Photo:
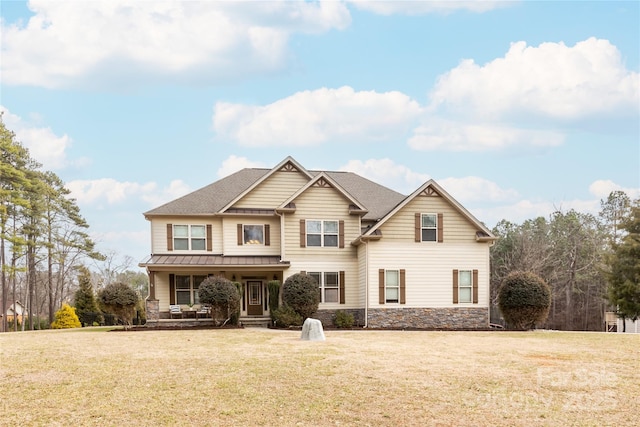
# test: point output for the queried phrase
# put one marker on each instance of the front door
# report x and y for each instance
(254, 298)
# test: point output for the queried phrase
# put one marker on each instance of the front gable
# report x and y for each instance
(273, 188)
(450, 221)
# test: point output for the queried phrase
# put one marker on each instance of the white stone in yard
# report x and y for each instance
(312, 330)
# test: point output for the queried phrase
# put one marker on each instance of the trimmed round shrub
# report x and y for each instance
(66, 318)
(119, 299)
(301, 293)
(524, 300)
(222, 295)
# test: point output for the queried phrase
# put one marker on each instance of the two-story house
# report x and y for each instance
(394, 261)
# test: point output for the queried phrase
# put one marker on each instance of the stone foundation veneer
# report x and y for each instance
(153, 310)
(429, 318)
(327, 316)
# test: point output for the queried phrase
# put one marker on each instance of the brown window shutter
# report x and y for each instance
(341, 287)
(267, 235)
(341, 234)
(240, 240)
(169, 237)
(455, 286)
(418, 227)
(209, 238)
(172, 289)
(381, 297)
(475, 286)
(403, 293)
(440, 228)
(303, 233)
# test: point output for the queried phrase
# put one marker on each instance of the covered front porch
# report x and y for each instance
(174, 281)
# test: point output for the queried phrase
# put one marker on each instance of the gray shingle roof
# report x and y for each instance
(377, 199)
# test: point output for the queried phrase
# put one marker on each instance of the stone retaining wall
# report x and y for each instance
(429, 318)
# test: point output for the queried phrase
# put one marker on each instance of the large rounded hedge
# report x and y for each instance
(524, 300)
(300, 292)
(222, 296)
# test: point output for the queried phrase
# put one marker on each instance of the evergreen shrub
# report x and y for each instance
(300, 292)
(343, 319)
(524, 300)
(285, 316)
(66, 318)
(223, 296)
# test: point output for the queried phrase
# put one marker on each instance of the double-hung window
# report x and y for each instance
(429, 227)
(392, 286)
(322, 233)
(187, 289)
(328, 284)
(465, 286)
(253, 234)
(187, 237)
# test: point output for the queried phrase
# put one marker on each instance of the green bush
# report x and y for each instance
(286, 316)
(66, 318)
(524, 300)
(300, 292)
(222, 296)
(120, 300)
(274, 296)
(343, 319)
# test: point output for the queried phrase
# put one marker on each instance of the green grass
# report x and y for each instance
(267, 377)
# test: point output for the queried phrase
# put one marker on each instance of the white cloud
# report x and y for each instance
(108, 191)
(314, 117)
(602, 188)
(475, 189)
(439, 134)
(388, 173)
(424, 7)
(234, 164)
(552, 80)
(43, 144)
(71, 43)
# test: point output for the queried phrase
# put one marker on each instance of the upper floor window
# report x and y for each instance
(328, 284)
(186, 237)
(253, 234)
(322, 233)
(429, 227)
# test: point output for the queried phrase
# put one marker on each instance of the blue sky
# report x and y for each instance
(516, 108)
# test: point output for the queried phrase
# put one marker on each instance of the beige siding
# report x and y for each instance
(230, 236)
(401, 227)
(273, 191)
(159, 233)
(429, 270)
(321, 204)
(350, 267)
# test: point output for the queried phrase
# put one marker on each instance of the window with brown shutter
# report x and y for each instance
(475, 286)
(169, 237)
(403, 289)
(455, 286)
(267, 235)
(172, 289)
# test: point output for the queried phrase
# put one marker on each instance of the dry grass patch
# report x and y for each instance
(270, 377)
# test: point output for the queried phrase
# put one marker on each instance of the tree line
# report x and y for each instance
(576, 254)
(44, 240)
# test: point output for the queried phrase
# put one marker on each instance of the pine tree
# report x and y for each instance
(624, 273)
(85, 300)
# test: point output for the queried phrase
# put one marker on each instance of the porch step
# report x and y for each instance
(256, 321)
